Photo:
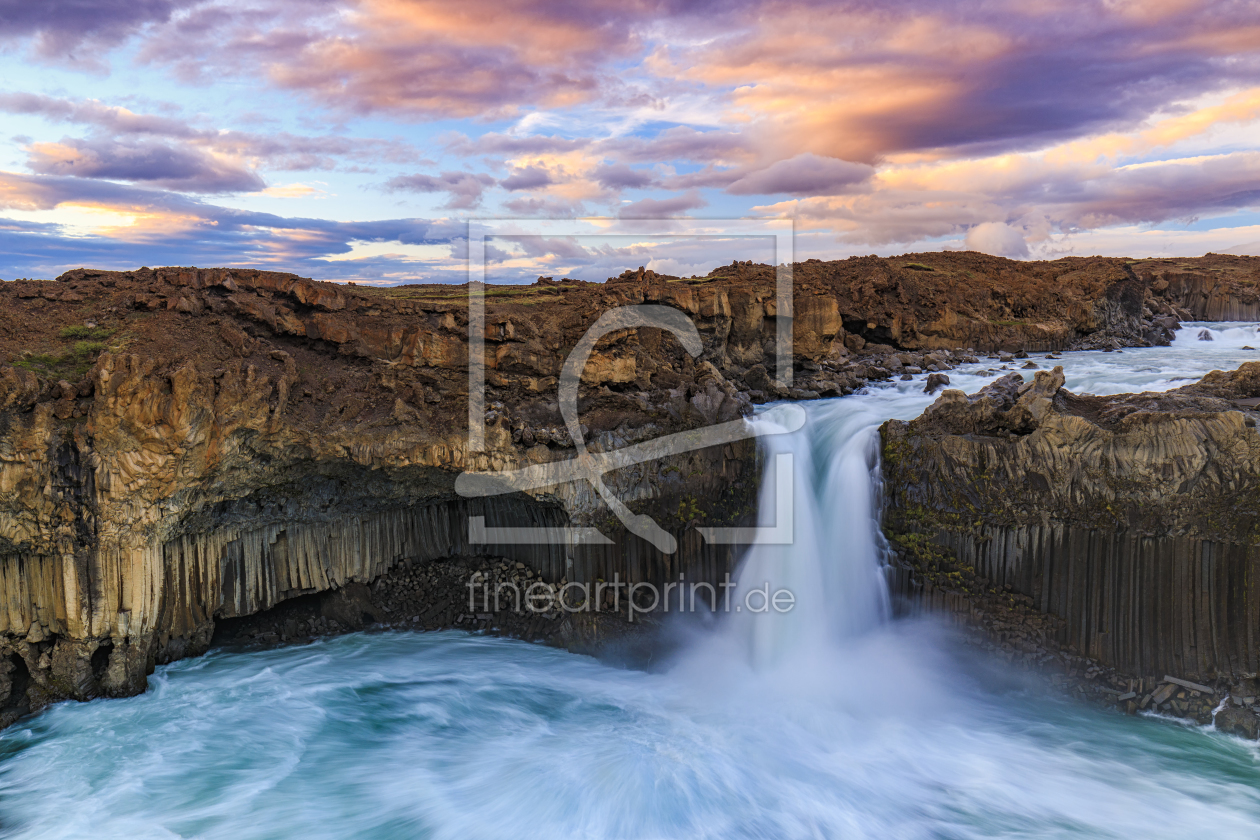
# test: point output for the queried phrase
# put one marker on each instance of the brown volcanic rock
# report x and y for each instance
(1133, 519)
(1158, 463)
(1215, 287)
(180, 446)
(965, 299)
(216, 442)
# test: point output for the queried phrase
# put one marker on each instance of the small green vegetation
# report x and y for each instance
(72, 363)
(89, 333)
(74, 360)
(87, 348)
(918, 267)
(689, 509)
(693, 280)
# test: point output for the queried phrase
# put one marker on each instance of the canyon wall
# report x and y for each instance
(1216, 288)
(181, 446)
(231, 439)
(1132, 521)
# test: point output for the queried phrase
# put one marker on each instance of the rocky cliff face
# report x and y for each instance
(951, 300)
(1130, 524)
(181, 448)
(1214, 288)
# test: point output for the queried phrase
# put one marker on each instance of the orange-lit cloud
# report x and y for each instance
(861, 82)
(296, 190)
(471, 59)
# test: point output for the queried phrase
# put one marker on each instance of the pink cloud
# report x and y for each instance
(170, 166)
(663, 208)
(275, 150)
(804, 174)
(527, 178)
(858, 82)
(76, 32)
(997, 238)
(417, 57)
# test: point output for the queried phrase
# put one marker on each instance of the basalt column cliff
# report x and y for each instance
(183, 446)
(1130, 525)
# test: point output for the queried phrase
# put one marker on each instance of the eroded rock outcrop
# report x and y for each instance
(952, 300)
(1130, 525)
(1217, 287)
(183, 447)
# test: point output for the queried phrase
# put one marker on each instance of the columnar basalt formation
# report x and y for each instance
(1131, 522)
(180, 446)
(1217, 287)
(184, 446)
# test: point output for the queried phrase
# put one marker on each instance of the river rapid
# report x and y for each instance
(828, 721)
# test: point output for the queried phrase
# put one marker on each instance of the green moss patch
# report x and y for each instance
(86, 333)
(72, 362)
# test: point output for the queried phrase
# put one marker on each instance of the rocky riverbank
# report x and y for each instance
(1110, 539)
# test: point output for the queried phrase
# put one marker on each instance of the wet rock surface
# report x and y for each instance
(1238, 721)
(436, 595)
(995, 618)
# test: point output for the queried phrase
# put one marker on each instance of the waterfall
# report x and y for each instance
(1224, 336)
(834, 564)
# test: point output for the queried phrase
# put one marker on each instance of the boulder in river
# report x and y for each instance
(1235, 720)
(935, 382)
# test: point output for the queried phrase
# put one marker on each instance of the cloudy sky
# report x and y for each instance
(354, 140)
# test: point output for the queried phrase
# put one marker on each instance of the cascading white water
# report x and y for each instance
(1222, 337)
(827, 722)
(832, 566)
(835, 562)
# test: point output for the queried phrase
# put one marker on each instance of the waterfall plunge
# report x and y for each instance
(834, 565)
